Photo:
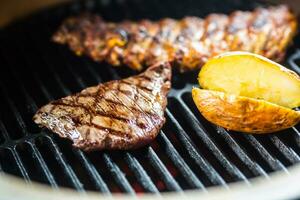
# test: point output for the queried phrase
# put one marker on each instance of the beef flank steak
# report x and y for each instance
(120, 114)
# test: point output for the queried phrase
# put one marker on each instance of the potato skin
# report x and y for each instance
(243, 114)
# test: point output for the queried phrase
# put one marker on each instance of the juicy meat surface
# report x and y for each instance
(120, 114)
(188, 42)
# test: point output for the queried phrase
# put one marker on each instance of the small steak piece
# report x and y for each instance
(120, 114)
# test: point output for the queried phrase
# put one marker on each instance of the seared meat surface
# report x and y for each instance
(120, 114)
(188, 42)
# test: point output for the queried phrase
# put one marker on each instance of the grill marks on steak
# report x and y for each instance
(120, 114)
(189, 42)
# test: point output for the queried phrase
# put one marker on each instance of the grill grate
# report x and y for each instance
(189, 152)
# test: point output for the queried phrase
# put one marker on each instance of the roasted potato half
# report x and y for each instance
(243, 114)
(248, 93)
(251, 75)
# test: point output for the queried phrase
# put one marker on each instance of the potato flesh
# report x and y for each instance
(245, 74)
(242, 113)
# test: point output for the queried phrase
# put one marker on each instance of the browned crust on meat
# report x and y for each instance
(120, 114)
(189, 42)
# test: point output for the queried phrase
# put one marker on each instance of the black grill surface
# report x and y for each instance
(189, 152)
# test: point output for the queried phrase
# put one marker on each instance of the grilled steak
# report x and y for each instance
(120, 114)
(188, 42)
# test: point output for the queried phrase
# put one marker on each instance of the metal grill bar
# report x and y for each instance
(298, 134)
(163, 171)
(140, 173)
(254, 167)
(9, 158)
(201, 132)
(4, 131)
(23, 127)
(99, 182)
(117, 174)
(20, 165)
(13, 108)
(274, 163)
(289, 153)
(292, 61)
(93, 72)
(213, 175)
(28, 99)
(180, 163)
(66, 90)
(1, 170)
(78, 79)
(44, 166)
(67, 168)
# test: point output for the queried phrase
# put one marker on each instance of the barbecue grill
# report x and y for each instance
(190, 157)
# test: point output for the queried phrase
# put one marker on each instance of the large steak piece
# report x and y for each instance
(188, 42)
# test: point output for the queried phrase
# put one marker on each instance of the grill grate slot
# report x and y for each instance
(44, 167)
(256, 169)
(34, 168)
(57, 163)
(177, 173)
(297, 138)
(293, 61)
(161, 169)
(140, 173)
(260, 149)
(287, 152)
(23, 110)
(99, 182)
(12, 118)
(3, 133)
(193, 152)
(292, 144)
(10, 163)
(20, 165)
(81, 166)
(198, 129)
(118, 175)
(189, 152)
(180, 163)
